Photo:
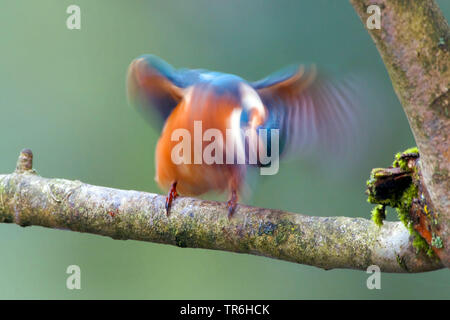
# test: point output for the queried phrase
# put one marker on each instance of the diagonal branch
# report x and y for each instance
(414, 44)
(326, 242)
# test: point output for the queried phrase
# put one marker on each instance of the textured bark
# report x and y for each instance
(414, 44)
(326, 242)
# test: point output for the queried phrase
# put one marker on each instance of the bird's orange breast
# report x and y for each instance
(211, 112)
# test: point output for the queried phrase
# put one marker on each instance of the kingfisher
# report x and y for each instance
(302, 108)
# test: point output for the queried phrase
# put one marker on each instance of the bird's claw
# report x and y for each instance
(170, 197)
(231, 204)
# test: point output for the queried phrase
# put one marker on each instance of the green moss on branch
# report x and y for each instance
(397, 187)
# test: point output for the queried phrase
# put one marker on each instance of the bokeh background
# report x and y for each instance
(62, 94)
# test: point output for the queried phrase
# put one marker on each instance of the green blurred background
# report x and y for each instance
(62, 94)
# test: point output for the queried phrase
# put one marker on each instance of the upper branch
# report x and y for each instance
(326, 242)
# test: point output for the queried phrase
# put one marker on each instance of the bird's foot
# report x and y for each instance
(231, 204)
(171, 196)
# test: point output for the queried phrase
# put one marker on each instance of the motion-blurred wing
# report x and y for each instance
(153, 85)
(309, 110)
(276, 78)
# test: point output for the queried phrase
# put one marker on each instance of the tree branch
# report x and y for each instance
(414, 44)
(326, 242)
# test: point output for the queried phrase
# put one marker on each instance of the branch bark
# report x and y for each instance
(414, 44)
(326, 242)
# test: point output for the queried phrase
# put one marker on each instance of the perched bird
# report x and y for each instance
(303, 109)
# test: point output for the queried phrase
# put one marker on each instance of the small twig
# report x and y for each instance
(25, 161)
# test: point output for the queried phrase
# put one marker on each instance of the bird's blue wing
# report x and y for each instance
(156, 88)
